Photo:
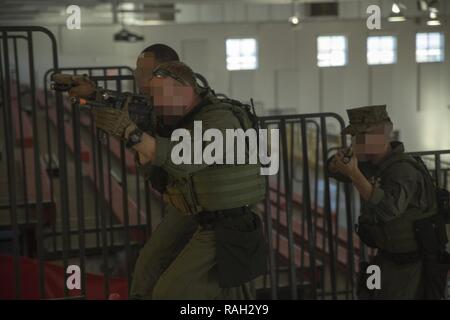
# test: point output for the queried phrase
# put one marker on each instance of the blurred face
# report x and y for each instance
(371, 142)
(143, 73)
(172, 99)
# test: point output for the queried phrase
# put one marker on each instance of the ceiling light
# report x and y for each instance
(395, 8)
(126, 36)
(433, 19)
(433, 23)
(397, 14)
(396, 19)
(294, 20)
(127, 6)
(145, 22)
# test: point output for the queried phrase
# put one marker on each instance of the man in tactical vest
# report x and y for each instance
(399, 213)
(227, 250)
(155, 262)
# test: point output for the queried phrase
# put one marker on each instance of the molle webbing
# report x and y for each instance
(397, 235)
(218, 186)
(228, 186)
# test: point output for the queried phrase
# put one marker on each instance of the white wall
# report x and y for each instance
(288, 77)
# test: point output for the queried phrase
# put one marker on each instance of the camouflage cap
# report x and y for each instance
(364, 117)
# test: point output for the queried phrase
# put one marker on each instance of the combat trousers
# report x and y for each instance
(166, 242)
(398, 281)
(194, 274)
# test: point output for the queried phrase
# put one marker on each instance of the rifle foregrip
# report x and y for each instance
(60, 87)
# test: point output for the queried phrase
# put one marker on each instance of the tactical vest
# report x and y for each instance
(398, 235)
(221, 186)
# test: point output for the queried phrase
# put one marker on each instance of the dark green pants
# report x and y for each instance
(194, 275)
(398, 281)
(179, 262)
(166, 242)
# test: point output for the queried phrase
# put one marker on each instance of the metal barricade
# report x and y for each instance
(304, 229)
(71, 173)
(11, 106)
(84, 205)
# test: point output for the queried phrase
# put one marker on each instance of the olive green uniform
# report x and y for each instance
(166, 242)
(400, 192)
(162, 271)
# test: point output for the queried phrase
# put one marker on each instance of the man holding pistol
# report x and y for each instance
(397, 198)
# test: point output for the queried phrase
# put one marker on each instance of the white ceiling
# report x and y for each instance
(52, 12)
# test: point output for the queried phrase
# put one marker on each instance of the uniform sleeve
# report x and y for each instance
(216, 119)
(341, 177)
(392, 197)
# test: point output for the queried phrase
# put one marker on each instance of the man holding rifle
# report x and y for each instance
(227, 249)
(399, 209)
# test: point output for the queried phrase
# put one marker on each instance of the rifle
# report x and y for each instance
(140, 107)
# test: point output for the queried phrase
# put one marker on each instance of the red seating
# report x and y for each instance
(40, 99)
(302, 236)
(26, 125)
(297, 200)
(49, 211)
(54, 281)
(69, 136)
(117, 203)
(114, 147)
(85, 121)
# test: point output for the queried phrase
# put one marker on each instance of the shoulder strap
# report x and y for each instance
(394, 160)
(416, 162)
(238, 107)
(207, 102)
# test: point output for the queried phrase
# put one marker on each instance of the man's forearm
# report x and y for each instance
(146, 148)
(364, 187)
